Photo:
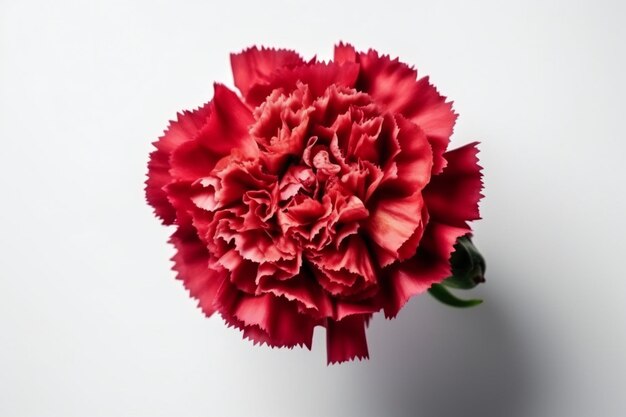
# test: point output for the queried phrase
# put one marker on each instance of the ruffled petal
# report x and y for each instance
(191, 262)
(345, 339)
(278, 319)
(415, 159)
(225, 131)
(228, 127)
(347, 272)
(257, 246)
(159, 177)
(344, 52)
(254, 65)
(346, 308)
(242, 271)
(192, 161)
(395, 86)
(180, 131)
(352, 256)
(318, 77)
(393, 222)
(408, 248)
(430, 265)
(452, 197)
(304, 290)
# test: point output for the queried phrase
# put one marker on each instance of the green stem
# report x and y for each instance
(442, 294)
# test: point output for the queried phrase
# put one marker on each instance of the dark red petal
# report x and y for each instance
(302, 213)
(344, 52)
(253, 310)
(242, 271)
(430, 265)
(408, 248)
(234, 180)
(317, 76)
(364, 139)
(253, 333)
(191, 262)
(182, 130)
(290, 327)
(345, 339)
(395, 85)
(352, 256)
(257, 246)
(254, 65)
(452, 197)
(228, 126)
(305, 290)
(346, 308)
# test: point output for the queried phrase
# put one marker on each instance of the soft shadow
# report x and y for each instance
(437, 361)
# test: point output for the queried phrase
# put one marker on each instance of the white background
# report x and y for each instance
(92, 321)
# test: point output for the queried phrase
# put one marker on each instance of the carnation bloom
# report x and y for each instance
(319, 195)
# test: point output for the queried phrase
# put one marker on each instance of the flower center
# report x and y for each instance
(323, 165)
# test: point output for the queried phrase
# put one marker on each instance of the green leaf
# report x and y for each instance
(468, 265)
(442, 294)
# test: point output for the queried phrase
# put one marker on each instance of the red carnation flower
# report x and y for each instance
(319, 196)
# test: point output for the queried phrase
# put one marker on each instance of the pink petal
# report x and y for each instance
(296, 178)
(394, 220)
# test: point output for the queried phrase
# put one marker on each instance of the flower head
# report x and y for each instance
(320, 195)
